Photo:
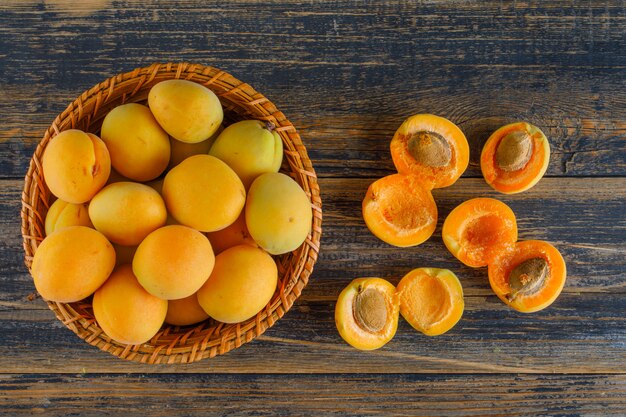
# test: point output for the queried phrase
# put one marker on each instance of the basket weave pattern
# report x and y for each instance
(173, 344)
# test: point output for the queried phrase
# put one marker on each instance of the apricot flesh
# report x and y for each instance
(431, 300)
(185, 311)
(126, 212)
(399, 211)
(366, 313)
(139, 147)
(173, 262)
(76, 165)
(70, 264)
(125, 311)
(62, 214)
(242, 283)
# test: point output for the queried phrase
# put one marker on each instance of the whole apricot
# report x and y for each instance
(250, 148)
(125, 311)
(204, 193)
(278, 213)
(188, 111)
(183, 150)
(233, 235)
(72, 263)
(126, 212)
(241, 284)
(62, 214)
(173, 262)
(185, 311)
(76, 165)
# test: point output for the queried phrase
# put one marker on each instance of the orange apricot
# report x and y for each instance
(185, 311)
(399, 211)
(479, 229)
(233, 235)
(62, 214)
(366, 314)
(529, 277)
(431, 147)
(431, 300)
(515, 157)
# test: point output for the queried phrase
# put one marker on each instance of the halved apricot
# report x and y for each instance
(479, 229)
(431, 300)
(367, 313)
(399, 211)
(515, 157)
(431, 147)
(529, 277)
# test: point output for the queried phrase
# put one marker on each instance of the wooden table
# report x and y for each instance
(347, 74)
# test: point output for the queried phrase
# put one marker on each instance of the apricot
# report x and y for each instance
(233, 235)
(477, 230)
(250, 148)
(399, 211)
(188, 111)
(126, 212)
(173, 262)
(185, 311)
(278, 213)
(242, 283)
(125, 311)
(515, 157)
(139, 147)
(529, 277)
(70, 264)
(366, 314)
(204, 193)
(62, 214)
(431, 147)
(183, 150)
(76, 165)
(431, 300)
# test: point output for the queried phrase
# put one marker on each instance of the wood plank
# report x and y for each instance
(319, 395)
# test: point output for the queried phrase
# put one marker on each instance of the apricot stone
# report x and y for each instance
(76, 165)
(62, 214)
(278, 213)
(241, 284)
(185, 311)
(186, 110)
(72, 263)
(139, 147)
(125, 311)
(173, 262)
(126, 212)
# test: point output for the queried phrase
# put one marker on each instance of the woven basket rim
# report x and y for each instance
(174, 344)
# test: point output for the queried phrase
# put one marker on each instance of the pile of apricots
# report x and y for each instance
(430, 152)
(168, 216)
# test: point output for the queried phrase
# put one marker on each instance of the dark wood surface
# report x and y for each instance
(347, 74)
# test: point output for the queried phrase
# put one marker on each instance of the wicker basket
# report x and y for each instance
(173, 344)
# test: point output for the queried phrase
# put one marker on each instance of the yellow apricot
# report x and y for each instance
(139, 147)
(125, 311)
(204, 193)
(233, 235)
(76, 165)
(72, 263)
(183, 150)
(241, 284)
(250, 148)
(126, 212)
(278, 213)
(186, 110)
(185, 311)
(62, 214)
(173, 262)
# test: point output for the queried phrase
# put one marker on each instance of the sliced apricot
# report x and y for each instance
(479, 229)
(529, 277)
(515, 157)
(431, 147)
(431, 300)
(367, 313)
(399, 211)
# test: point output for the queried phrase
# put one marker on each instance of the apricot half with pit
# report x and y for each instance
(529, 277)
(432, 148)
(431, 300)
(366, 314)
(399, 210)
(515, 157)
